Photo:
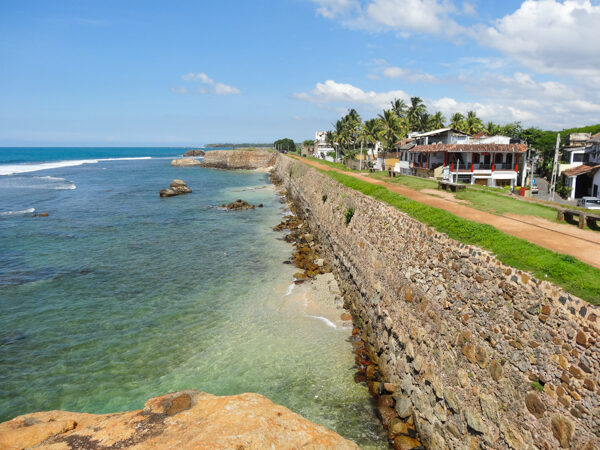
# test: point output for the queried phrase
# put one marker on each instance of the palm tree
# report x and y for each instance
(456, 121)
(473, 124)
(415, 111)
(370, 131)
(492, 129)
(437, 121)
(399, 107)
(392, 128)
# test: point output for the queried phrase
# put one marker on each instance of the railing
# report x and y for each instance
(470, 167)
(504, 166)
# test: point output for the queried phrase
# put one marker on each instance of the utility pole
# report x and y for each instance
(360, 163)
(554, 169)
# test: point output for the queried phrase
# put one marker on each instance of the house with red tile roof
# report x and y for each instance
(453, 155)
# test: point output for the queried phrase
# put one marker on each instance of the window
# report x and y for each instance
(509, 158)
(475, 158)
(498, 158)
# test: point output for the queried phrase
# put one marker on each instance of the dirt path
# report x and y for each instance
(581, 244)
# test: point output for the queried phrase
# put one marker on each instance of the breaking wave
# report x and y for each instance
(25, 182)
(11, 169)
(17, 213)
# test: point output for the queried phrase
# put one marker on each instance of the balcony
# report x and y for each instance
(470, 167)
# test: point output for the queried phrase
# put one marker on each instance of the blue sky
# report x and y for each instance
(193, 72)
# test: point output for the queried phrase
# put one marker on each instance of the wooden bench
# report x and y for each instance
(453, 186)
(583, 217)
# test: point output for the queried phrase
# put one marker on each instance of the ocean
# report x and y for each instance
(119, 295)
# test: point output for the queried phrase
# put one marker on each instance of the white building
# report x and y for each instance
(455, 156)
(583, 173)
(322, 148)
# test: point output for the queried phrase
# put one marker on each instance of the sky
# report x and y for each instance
(191, 72)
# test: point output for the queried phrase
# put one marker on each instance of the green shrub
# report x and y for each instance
(536, 385)
(348, 215)
(324, 198)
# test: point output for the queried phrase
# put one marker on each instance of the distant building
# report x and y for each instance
(321, 147)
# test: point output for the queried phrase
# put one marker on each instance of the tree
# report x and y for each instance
(285, 144)
(513, 129)
(437, 121)
(392, 128)
(456, 121)
(308, 143)
(492, 129)
(399, 107)
(415, 111)
(472, 123)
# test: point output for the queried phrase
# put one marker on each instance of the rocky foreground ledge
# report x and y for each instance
(185, 419)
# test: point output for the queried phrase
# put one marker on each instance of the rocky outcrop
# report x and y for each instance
(476, 353)
(194, 153)
(186, 162)
(185, 419)
(177, 187)
(239, 204)
(239, 159)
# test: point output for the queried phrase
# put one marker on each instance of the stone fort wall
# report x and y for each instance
(480, 354)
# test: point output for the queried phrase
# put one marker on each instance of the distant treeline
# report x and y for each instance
(229, 145)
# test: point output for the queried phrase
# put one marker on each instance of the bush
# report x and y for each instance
(348, 215)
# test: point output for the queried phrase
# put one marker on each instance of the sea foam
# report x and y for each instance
(33, 182)
(10, 169)
(17, 213)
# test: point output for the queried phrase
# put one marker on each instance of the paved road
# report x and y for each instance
(563, 238)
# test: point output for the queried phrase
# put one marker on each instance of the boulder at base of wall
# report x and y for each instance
(239, 204)
(185, 162)
(185, 419)
(177, 187)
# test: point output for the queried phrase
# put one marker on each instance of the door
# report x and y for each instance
(595, 191)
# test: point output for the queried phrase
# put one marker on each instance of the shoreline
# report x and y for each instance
(332, 294)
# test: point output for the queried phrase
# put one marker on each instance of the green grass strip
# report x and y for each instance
(335, 165)
(565, 271)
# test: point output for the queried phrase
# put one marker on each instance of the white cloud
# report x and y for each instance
(212, 87)
(198, 76)
(332, 92)
(224, 89)
(334, 8)
(407, 74)
(428, 16)
(179, 90)
(403, 16)
(550, 36)
(499, 98)
(469, 9)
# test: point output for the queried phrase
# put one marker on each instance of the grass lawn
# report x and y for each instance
(335, 165)
(480, 198)
(416, 183)
(571, 274)
(500, 204)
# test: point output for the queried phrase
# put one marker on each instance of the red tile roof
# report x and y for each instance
(584, 168)
(463, 148)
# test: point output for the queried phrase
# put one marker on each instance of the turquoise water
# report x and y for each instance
(119, 295)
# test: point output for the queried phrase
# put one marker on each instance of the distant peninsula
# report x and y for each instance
(234, 146)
